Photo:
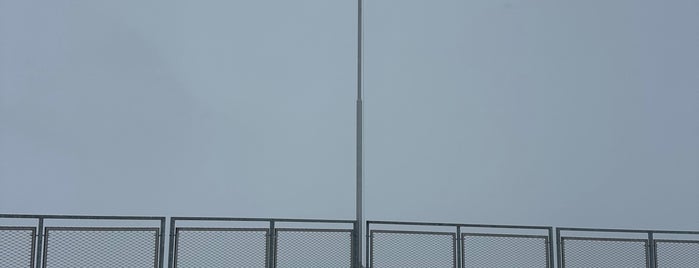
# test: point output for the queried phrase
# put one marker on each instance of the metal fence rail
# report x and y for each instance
(412, 249)
(17, 246)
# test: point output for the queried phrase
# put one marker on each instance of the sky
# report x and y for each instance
(558, 113)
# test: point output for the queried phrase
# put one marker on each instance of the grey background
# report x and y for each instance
(577, 113)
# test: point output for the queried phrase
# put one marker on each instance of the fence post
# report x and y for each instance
(272, 242)
(39, 242)
(550, 245)
(650, 251)
(559, 247)
(171, 250)
(459, 248)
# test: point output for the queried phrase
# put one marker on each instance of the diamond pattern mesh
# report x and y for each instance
(676, 253)
(313, 248)
(100, 247)
(221, 247)
(17, 246)
(412, 249)
(604, 253)
(504, 251)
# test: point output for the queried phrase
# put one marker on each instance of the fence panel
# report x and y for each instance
(412, 249)
(586, 252)
(504, 250)
(221, 247)
(17, 246)
(313, 248)
(89, 247)
(676, 253)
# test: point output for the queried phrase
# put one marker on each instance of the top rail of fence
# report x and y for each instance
(80, 217)
(460, 225)
(260, 219)
(606, 230)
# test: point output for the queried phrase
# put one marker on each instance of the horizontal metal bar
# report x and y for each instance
(602, 239)
(460, 224)
(676, 241)
(103, 229)
(627, 231)
(411, 232)
(17, 228)
(215, 229)
(504, 235)
(310, 230)
(80, 217)
(259, 219)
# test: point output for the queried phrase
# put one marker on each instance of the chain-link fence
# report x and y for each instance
(584, 252)
(17, 246)
(83, 247)
(221, 247)
(412, 249)
(676, 253)
(504, 251)
(259, 242)
(313, 248)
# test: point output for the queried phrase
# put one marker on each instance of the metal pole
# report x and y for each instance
(39, 245)
(171, 249)
(650, 251)
(359, 191)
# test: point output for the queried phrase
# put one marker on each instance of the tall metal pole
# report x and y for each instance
(360, 145)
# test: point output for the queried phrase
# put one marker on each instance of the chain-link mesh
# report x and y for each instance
(221, 247)
(17, 246)
(313, 248)
(604, 253)
(503, 251)
(73, 247)
(412, 249)
(677, 253)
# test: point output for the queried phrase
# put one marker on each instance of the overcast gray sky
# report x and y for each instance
(566, 113)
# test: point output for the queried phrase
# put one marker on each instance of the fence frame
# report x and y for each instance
(458, 232)
(651, 259)
(40, 234)
(271, 240)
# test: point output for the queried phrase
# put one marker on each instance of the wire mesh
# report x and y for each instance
(604, 252)
(17, 246)
(82, 247)
(503, 251)
(676, 253)
(221, 247)
(313, 248)
(412, 249)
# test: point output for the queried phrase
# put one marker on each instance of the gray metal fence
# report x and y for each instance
(614, 248)
(313, 248)
(17, 246)
(73, 247)
(411, 244)
(221, 247)
(260, 242)
(390, 248)
(56, 241)
(505, 250)
(676, 253)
